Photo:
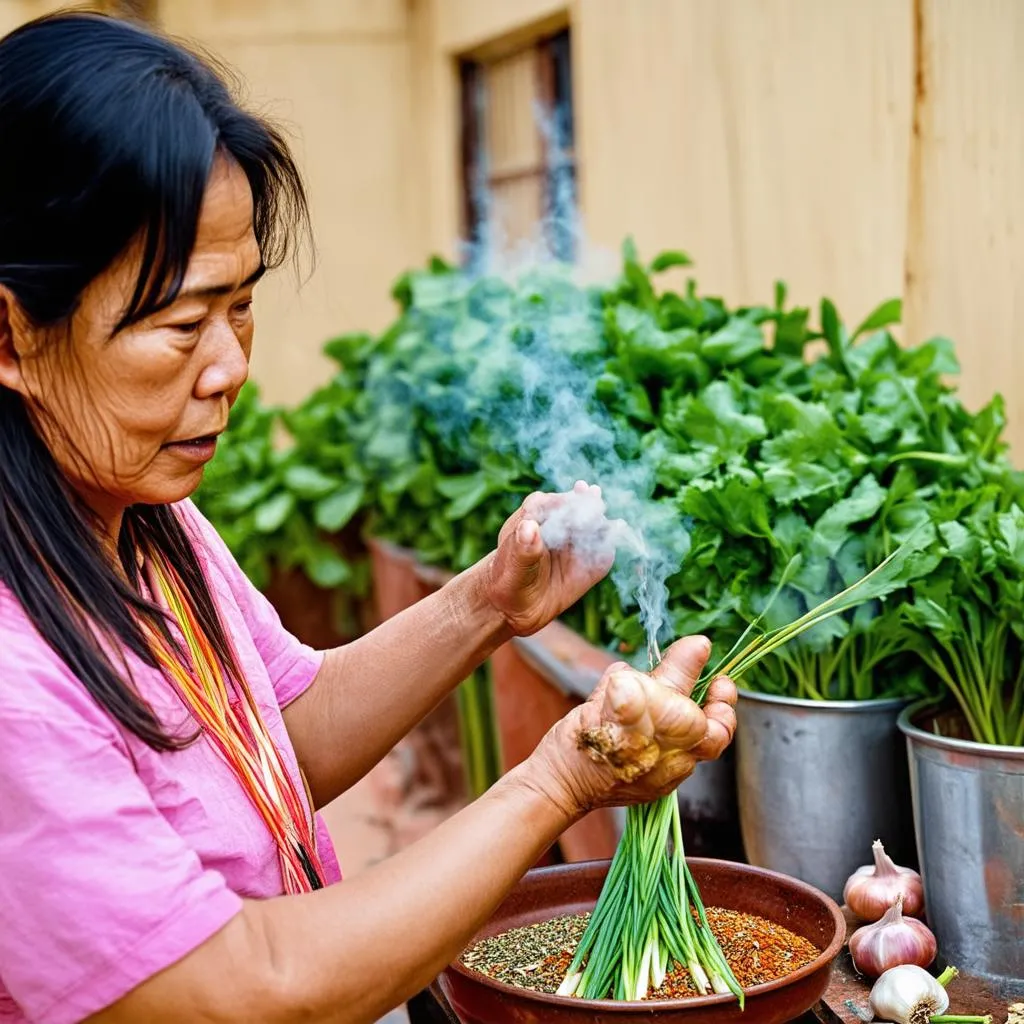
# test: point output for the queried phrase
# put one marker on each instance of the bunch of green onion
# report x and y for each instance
(650, 915)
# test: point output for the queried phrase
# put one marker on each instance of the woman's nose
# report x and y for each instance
(227, 367)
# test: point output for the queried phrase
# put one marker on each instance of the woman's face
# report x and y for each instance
(132, 416)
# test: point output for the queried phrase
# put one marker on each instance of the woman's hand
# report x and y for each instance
(638, 736)
(530, 584)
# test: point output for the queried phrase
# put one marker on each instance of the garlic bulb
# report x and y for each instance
(908, 994)
(892, 941)
(870, 890)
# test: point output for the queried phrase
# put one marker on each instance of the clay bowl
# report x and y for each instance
(572, 888)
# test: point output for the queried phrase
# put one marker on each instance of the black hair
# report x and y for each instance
(110, 132)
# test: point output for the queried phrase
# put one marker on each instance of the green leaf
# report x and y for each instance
(715, 419)
(832, 529)
(325, 567)
(889, 312)
(1010, 526)
(934, 357)
(737, 340)
(335, 511)
(830, 326)
(465, 492)
(270, 516)
(669, 258)
(791, 333)
(309, 482)
(959, 541)
(242, 499)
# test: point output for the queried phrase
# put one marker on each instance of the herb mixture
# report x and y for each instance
(537, 956)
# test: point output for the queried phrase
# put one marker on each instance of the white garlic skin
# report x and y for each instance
(907, 995)
(869, 892)
(892, 941)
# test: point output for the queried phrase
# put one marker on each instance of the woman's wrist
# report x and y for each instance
(541, 785)
(470, 604)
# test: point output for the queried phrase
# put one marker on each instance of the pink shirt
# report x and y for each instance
(117, 860)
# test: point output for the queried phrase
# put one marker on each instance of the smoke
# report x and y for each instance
(531, 356)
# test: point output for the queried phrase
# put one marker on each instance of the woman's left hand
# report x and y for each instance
(530, 584)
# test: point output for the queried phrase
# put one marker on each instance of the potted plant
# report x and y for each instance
(831, 458)
(818, 746)
(757, 453)
(967, 754)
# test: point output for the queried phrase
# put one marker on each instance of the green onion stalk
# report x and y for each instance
(975, 662)
(650, 915)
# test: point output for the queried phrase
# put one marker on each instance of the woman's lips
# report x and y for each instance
(197, 449)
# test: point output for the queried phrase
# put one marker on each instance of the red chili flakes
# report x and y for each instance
(538, 956)
(757, 950)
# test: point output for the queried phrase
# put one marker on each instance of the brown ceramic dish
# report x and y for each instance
(572, 888)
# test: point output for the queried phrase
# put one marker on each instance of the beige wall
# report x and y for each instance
(338, 73)
(965, 258)
(858, 149)
(16, 12)
(706, 125)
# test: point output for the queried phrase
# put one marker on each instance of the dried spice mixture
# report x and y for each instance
(537, 956)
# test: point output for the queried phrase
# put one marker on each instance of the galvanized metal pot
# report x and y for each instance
(969, 813)
(818, 782)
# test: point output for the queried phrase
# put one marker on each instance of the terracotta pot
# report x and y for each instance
(396, 585)
(572, 888)
(318, 617)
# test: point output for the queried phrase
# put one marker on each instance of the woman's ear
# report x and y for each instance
(10, 344)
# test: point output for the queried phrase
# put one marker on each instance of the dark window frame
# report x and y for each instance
(558, 166)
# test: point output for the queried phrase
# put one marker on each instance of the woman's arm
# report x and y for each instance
(353, 951)
(350, 952)
(370, 693)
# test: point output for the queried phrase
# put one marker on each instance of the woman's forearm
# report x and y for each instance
(352, 951)
(371, 692)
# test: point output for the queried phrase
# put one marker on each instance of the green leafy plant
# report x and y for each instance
(769, 436)
(967, 613)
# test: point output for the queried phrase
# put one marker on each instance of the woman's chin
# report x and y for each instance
(165, 491)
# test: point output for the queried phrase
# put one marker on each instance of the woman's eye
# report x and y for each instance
(189, 328)
(244, 307)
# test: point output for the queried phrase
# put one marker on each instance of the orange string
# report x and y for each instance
(237, 731)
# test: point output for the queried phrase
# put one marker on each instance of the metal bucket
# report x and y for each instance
(969, 813)
(818, 782)
(707, 806)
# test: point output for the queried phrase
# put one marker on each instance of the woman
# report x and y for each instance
(159, 858)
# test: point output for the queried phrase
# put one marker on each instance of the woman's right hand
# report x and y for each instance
(638, 736)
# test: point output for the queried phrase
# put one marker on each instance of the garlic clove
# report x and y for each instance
(893, 941)
(871, 889)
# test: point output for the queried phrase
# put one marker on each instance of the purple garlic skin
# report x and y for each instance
(894, 941)
(871, 890)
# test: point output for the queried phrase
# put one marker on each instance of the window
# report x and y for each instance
(518, 157)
